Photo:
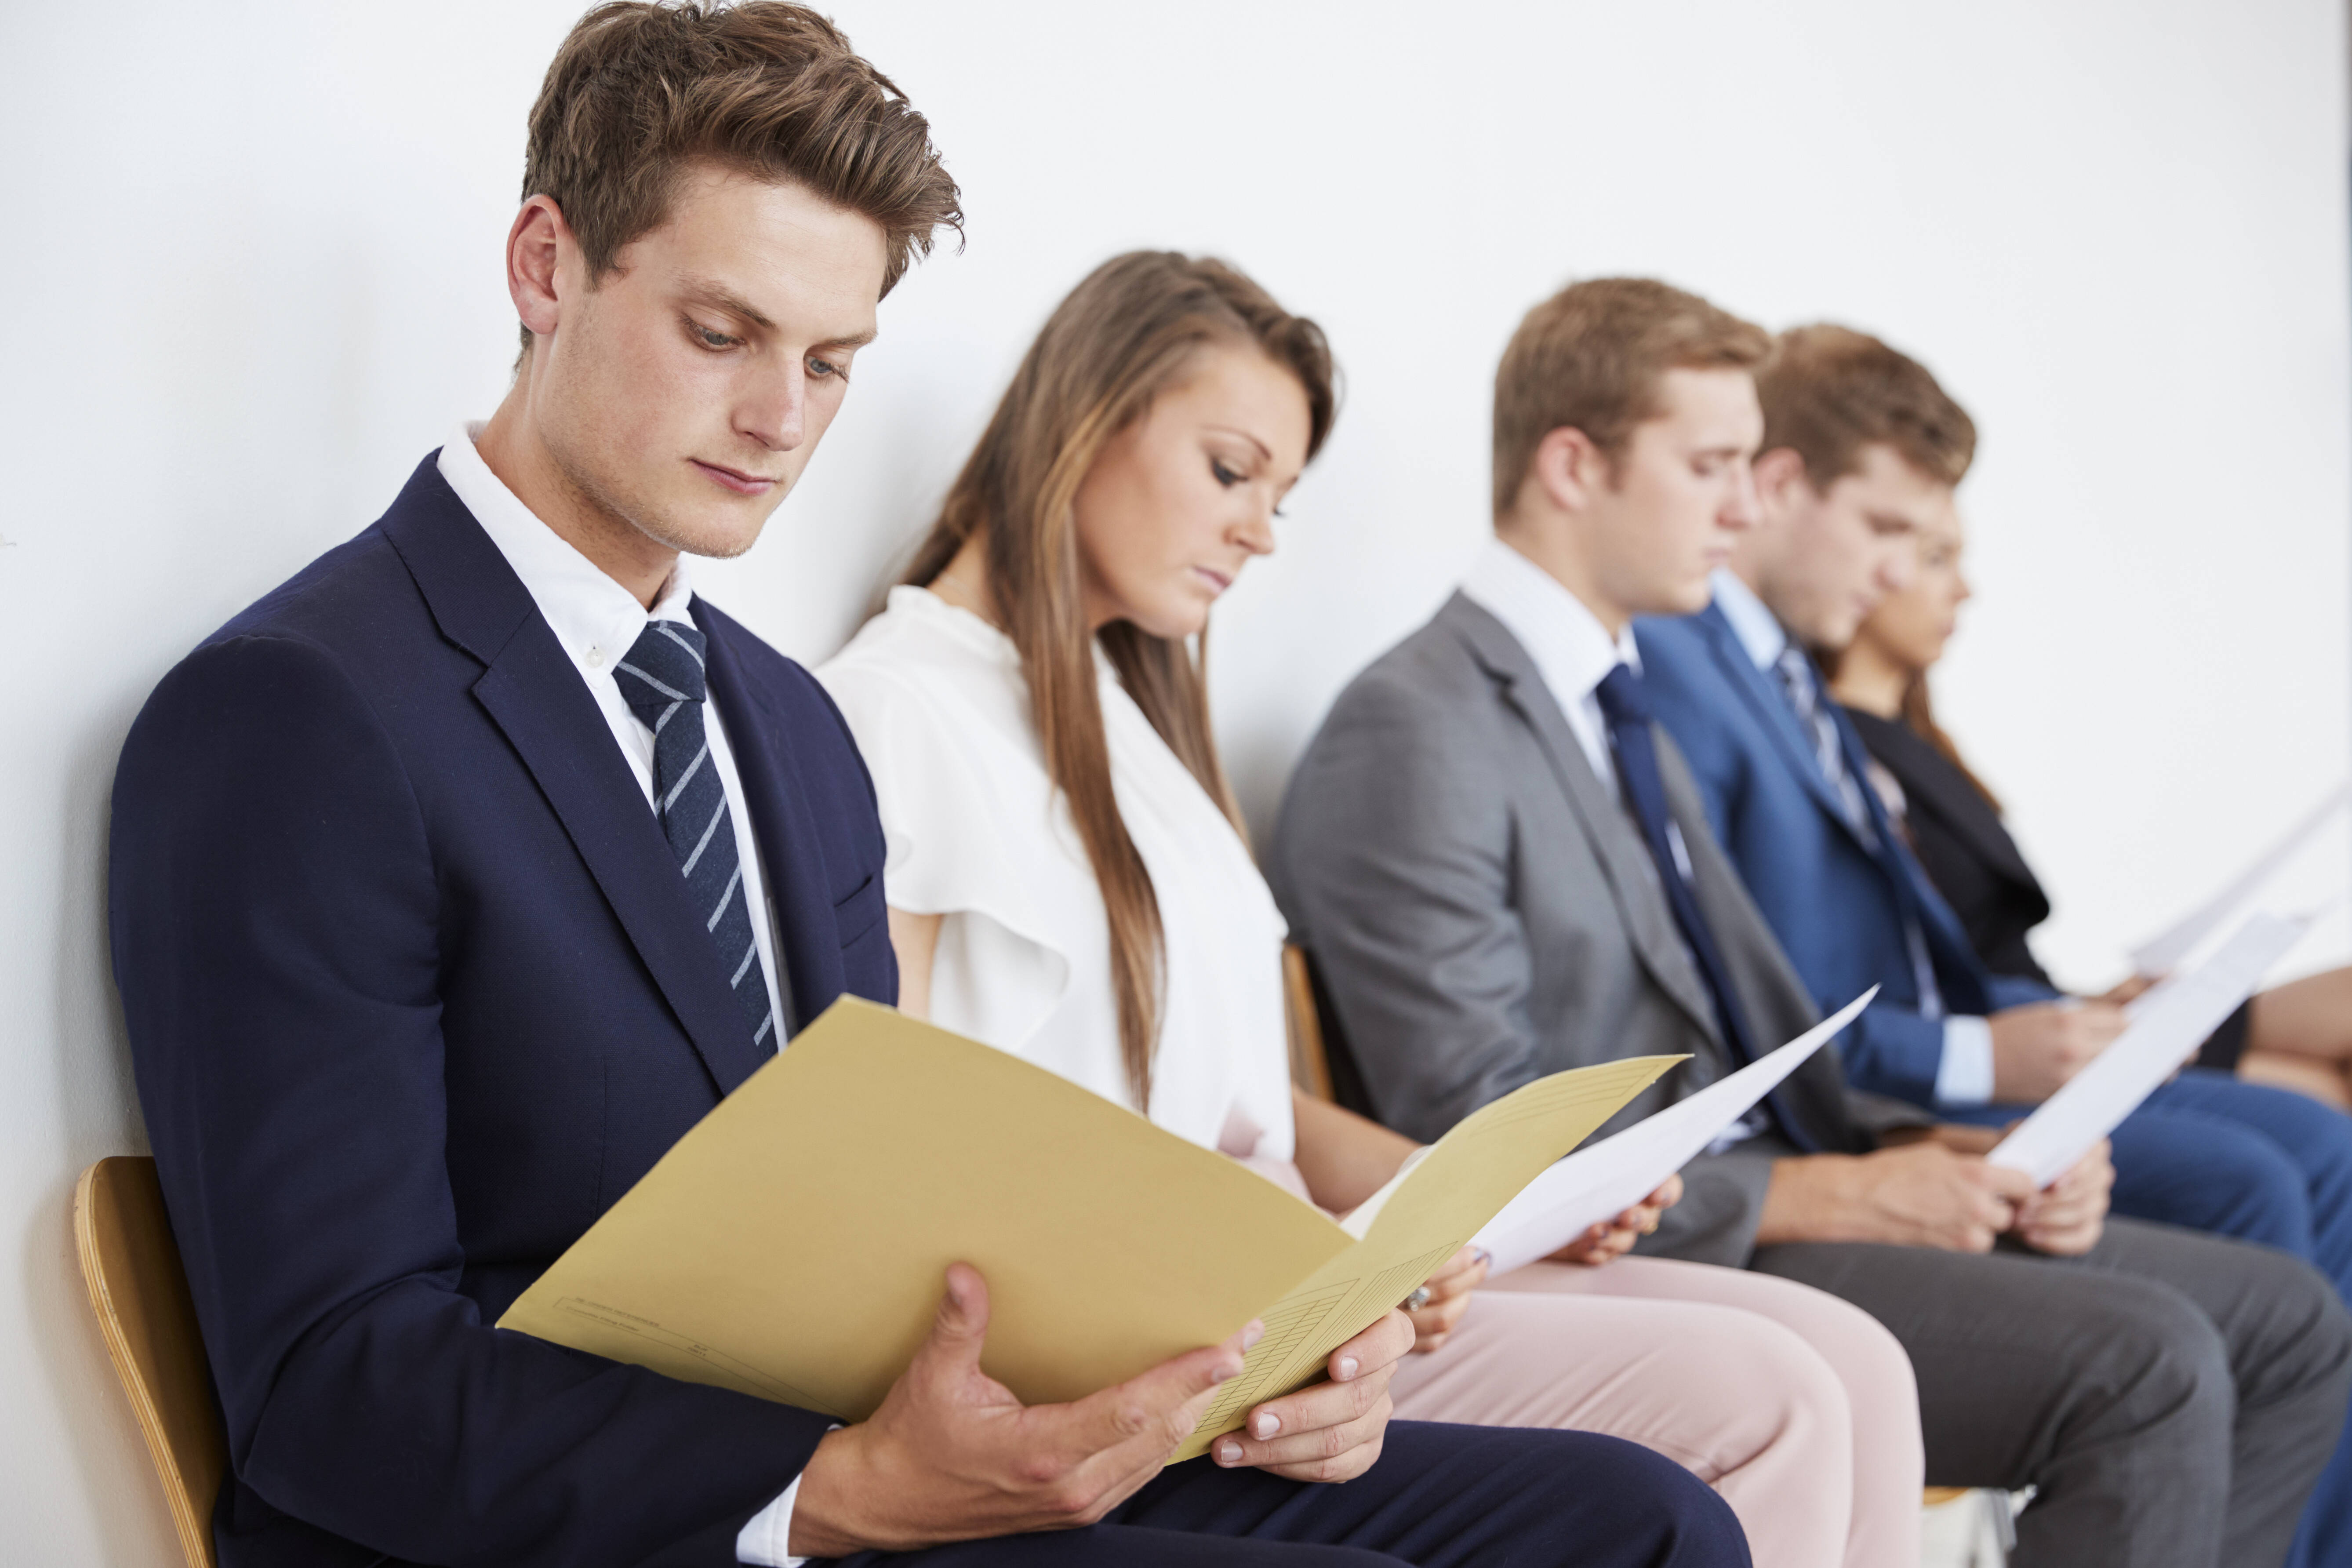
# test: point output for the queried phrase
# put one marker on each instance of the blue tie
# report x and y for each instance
(1626, 706)
(662, 681)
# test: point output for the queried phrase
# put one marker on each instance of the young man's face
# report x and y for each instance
(1823, 559)
(1679, 494)
(683, 393)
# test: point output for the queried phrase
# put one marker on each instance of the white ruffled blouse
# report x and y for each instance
(977, 834)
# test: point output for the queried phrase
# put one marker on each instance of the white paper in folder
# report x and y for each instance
(1602, 1182)
(2166, 1026)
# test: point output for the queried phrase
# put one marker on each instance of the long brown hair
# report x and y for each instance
(1121, 337)
(1917, 712)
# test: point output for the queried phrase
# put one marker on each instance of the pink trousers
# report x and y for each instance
(1797, 1407)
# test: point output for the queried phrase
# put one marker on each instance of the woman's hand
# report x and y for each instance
(1326, 1431)
(1447, 1297)
(1604, 1242)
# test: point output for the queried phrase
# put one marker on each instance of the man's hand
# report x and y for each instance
(1329, 1431)
(2065, 1217)
(2036, 1049)
(1921, 1194)
(952, 1456)
(1616, 1239)
(1434, 1320)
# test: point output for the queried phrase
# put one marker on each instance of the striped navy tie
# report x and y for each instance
(662, 680)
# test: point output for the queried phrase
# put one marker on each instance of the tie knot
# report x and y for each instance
(1624, 700)
(664, 669)
(1797, 673)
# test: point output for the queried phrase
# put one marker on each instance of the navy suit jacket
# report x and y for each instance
(1836, 904)
(415, 993)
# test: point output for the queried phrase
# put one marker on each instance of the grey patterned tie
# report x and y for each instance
(662, 681)
(1804, 689)
(1796, 672)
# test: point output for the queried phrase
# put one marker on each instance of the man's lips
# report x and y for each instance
(735, 479)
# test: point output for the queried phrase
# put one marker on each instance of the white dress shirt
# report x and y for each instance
(978, 835)
(1964, 1074)
(597, 621)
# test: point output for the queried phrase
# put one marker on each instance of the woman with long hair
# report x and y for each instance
(2297, 1036)
(1069, 881)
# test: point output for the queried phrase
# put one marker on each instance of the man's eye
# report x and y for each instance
(826, 367)
(712, 339)
(1225, 476)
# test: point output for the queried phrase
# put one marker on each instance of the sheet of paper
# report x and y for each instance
(2166, 1026)
(2163, 953)
(1602, 1182)
(792, 1244)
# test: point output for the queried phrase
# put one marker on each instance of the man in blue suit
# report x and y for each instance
(457, 878)
(1862, 449)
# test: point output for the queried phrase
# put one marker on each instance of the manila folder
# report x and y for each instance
(793, 1243)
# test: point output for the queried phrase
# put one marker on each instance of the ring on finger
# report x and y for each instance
(1418, 1300)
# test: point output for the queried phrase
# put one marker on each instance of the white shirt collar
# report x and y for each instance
(1572, 650)
(1758, 628)
(595, 620)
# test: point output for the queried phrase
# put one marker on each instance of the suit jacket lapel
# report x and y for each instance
(1770, 709)
(792, 853)
(1624, 860)
(536, 696)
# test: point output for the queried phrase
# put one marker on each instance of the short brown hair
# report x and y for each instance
(1591, 357)
(640, 91)
(1829, 392)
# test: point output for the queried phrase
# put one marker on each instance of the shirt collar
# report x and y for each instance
(1572, 650)
(595, 620)
(1759, 630)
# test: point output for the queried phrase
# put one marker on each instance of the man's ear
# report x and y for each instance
(535, 246)
(1781, 480)
(1568, 469)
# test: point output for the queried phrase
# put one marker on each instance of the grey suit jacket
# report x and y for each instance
(1481, 911)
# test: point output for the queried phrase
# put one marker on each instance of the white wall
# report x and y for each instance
(250, 275)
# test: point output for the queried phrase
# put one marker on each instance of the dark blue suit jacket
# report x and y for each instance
(414, 994)
(1836, 905)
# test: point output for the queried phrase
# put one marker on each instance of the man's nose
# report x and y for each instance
(1743, 511)
(774, 411)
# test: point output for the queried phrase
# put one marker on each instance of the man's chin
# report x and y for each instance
(720, 536)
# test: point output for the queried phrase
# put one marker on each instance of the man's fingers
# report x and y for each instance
(1150, 1404)
(960, 1326)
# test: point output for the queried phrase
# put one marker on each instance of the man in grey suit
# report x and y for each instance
(1501, 869)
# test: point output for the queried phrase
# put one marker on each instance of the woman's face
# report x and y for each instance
(1912, 627)
(1180, 499)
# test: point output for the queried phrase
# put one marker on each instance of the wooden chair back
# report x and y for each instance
(1310, 1065)
(139, 1294)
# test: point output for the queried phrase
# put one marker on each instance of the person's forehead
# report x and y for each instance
(1692, 395)
(788, 255)
(1232, 380)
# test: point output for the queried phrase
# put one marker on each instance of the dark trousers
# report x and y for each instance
(1440, 1494)
(2262, 1164)
(2172, 1397)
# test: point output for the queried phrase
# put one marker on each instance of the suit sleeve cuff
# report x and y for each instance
(1964, 1076)
(767, 1538)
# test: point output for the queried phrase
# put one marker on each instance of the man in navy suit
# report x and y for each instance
(460, 876)
(1862, 451)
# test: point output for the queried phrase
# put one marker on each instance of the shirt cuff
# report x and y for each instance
(767, 1540)
(1965, 1075)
